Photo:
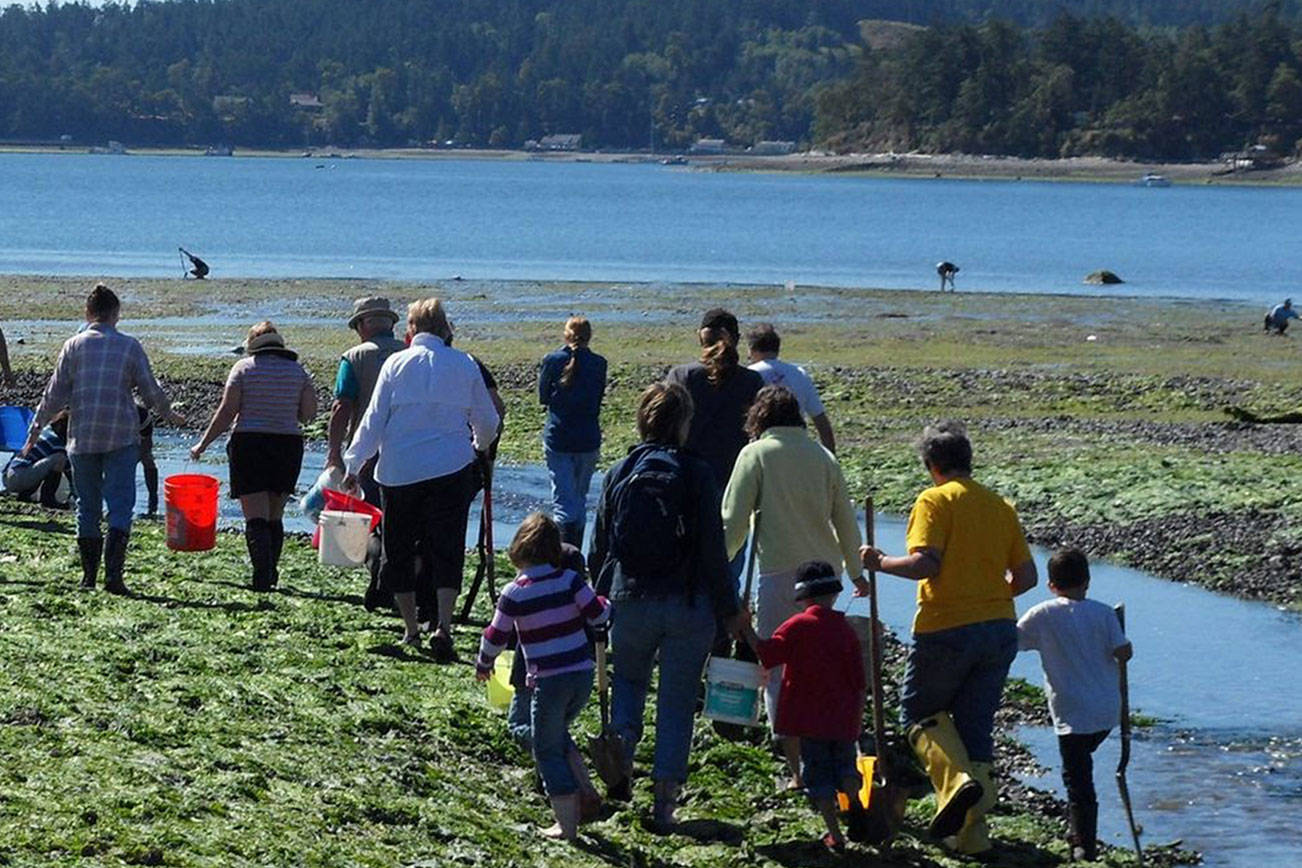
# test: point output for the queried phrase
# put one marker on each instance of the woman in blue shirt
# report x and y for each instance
(571, 384)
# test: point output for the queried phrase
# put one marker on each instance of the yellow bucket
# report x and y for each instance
(866, 766)
(500, 690)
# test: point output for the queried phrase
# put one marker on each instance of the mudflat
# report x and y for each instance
(1103, 417)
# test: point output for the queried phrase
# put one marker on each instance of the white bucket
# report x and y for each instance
(732, 691)
(344, 537)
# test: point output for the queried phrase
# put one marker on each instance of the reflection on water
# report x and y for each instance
(1223, 771)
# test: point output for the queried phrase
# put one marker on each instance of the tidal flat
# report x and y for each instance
(1103, 417)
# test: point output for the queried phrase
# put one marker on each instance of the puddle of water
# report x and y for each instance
(1223, 771)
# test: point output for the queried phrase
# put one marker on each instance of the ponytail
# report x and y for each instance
(719, 355)
(578, 331)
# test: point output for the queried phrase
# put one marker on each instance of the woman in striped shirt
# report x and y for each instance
(548, 607)
(268, 396)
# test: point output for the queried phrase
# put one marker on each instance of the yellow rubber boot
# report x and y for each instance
(974, 837)
(941, 751)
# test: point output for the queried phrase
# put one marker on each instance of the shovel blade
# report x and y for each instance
(607, 753)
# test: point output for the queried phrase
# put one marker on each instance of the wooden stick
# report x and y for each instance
(1124, 759)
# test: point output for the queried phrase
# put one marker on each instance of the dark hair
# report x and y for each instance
(945, 447)
(774, 406)
(719, 354)
(764, 339)
(716, 318)
(537, 541)
(661, 412)
(1069, 568)
(578, 331)
(102, 303)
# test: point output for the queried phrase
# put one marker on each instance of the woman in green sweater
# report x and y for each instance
(798, 487)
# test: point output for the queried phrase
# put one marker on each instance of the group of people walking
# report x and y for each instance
(723, 456)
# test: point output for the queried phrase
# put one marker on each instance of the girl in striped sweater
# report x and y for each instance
(547, 607)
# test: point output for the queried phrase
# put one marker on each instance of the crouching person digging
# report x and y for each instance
(547, 607)
(969, 556)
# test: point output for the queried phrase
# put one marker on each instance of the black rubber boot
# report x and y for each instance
(90, 548)
(151, 486)
(1082, 831)
(277, 532)
(257, 536)
(115, 561)
(50, 491)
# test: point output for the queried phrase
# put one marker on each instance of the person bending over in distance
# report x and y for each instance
(946, 270)
(359, 367)
(571, 385)
(547, 608)
(969, 556)
(1279, 316)
(96, 375)
(765, 344)
(269, 396)
(657, 553)
(428, 414)
(1080, 643)
(6, 372)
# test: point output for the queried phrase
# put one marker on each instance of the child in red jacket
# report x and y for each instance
(822, 696)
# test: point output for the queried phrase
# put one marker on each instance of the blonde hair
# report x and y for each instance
(537, 541)
(578, 332)
(428, 315)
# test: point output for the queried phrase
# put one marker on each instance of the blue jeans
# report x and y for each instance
(557, 701)
(826, 765)
(519, 715)
(571, 476)
(680, 634)
(105, 478)
(960, 670)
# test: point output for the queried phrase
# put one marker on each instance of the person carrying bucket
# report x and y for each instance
(268, 396)
(96, 374)
(546, 607)
(657, 553)
(969, 556)
(373, 320)
(799, 488)
(823, 686)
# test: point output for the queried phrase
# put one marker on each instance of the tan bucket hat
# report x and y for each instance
(373, 305)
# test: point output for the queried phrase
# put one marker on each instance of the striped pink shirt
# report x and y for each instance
(547, 607)
(271, 387)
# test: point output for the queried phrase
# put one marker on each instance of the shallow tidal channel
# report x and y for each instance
(1220, 769)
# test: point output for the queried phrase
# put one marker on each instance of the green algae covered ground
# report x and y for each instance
(198, 723)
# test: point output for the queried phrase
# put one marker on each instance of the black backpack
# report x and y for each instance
(650, 525)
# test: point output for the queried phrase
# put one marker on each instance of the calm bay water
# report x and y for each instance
(432, 219)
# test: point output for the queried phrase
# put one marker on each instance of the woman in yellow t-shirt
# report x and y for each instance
(969, 556)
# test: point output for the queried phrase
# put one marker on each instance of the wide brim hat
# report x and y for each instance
(268, 342)
(371, 306)
(816, 579)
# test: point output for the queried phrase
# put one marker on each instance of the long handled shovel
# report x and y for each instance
(1124, 760)
(607, 748)
(487, 567)
(887, 801)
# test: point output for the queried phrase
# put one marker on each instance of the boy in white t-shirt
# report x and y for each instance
(1080, 642)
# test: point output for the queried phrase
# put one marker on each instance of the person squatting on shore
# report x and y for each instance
(969, 556)
(95, 376)
(429, 412)
(571, 385)
(658, 554)
(373, 320)
(546, 608)
(799, 490)
(1080, 643)
(268, 396)
(1279, 316)
(765, 344)
(36, 474)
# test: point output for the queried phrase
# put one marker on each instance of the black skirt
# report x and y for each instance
(264, 462)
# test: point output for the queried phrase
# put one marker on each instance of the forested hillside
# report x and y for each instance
(1008, 76)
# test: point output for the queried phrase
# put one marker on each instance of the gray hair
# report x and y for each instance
(945, 447)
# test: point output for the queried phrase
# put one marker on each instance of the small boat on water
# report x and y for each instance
(1154, 180)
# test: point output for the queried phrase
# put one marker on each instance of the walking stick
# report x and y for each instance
(1124, 759)
(487, 566)
(886, 805)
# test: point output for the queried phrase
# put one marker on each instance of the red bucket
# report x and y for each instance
(191, 502)
(337, 501)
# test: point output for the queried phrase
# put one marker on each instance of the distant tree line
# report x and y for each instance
(985, 75)
(1078, 86)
